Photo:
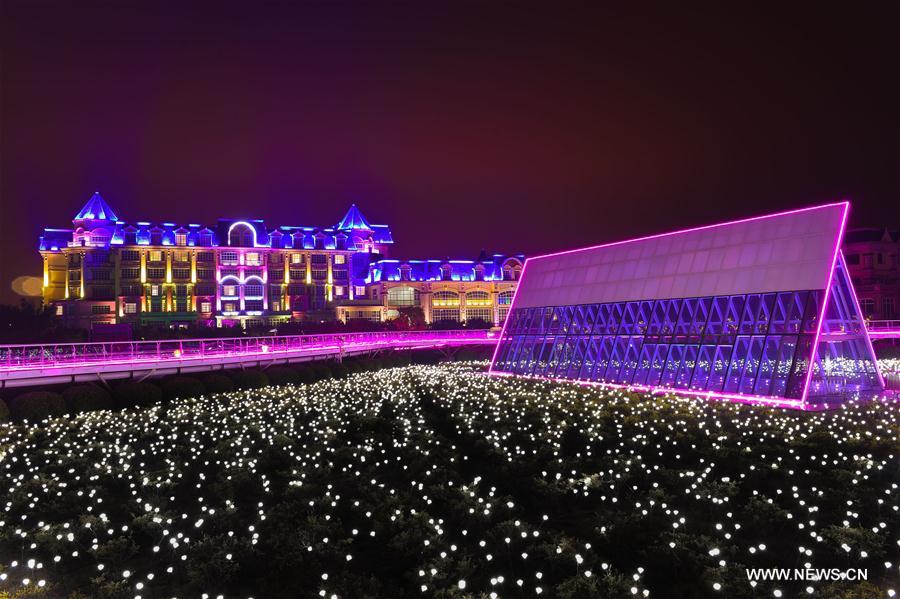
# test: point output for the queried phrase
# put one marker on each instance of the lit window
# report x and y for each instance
(156, 255)
(154, 290)
(867, 305)
(339, 259)
(253, 259)
(360, 291)
(338, 290)
(445, 298)
(296, 258)
(59, 310)
(228, 307)
(276, 306)
(403, 296)
(180, 239)
(241, 234)
(206, 306)
(229, 290)
(130, 308)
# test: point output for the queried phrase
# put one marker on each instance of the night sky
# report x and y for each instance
(462, 125)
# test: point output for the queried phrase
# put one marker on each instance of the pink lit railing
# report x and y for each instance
(883, 329)
(15, 357)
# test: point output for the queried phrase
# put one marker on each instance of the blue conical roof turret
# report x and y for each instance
(353, 220)
(96, 209)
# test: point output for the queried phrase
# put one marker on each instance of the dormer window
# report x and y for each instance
(180, 238)
(446, 272)
(241, 235)
(405, 272)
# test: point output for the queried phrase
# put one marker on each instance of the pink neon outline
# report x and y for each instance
(884, 334)
(828, 281)
(801, 403)
(704, 227)
(862, 320)
(508, 312)
(779, 402)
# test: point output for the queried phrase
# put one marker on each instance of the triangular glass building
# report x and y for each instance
(757, 310)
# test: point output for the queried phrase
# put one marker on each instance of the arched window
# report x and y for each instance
(99, 237)
(241, 235)
(445, 298)
(511, 270)
(504, 300)
(478, 298)
(403, 296)
(445, 306)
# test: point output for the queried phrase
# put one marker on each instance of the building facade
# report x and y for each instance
(756, 310)
(873, 259)
(243, 272)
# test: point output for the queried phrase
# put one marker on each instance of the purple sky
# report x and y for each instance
(462, 125)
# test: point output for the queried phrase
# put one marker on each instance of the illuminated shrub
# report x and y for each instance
(218, 383)
(87, 398)
(182, 386)
(130, 394)
(37, 405)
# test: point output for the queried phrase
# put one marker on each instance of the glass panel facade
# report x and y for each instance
(843, 365)
(755, 344)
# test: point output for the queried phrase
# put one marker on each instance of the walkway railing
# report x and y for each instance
(14, 357)
(883, 329)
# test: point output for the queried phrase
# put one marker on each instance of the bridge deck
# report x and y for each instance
(41, 364)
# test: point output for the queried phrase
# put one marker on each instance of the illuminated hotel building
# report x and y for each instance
(242, 272)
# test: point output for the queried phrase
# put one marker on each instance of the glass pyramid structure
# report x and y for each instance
(759, 310)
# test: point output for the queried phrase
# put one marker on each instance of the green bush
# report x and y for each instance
(4, 411)
(182, 386)
(373, 364)
(249, 379)
(218, 383)
(129, 394)
(338, 370)
(306, 374)
(354, 365)
(322, 372)
(37, 405)
(282, 375)
(87, 398)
